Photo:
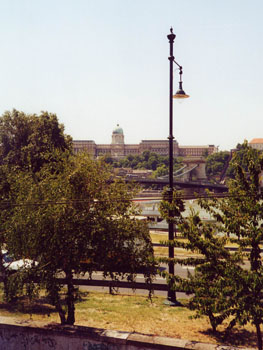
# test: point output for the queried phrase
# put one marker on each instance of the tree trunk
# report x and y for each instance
(53, 292)
(5, 281)
(259, 337)
(61, 312)
(212, 320)
(4, 274)
(70, 299)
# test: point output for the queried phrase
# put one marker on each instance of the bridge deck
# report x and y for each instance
(181, 184)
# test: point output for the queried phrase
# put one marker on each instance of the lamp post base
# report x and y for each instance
(170, 302)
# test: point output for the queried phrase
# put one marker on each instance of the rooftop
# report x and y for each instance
(256, 141)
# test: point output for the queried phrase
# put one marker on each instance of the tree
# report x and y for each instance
(215, 266)
(242, 214)
(5, 212)
(161, 170)
(148, 160)
(222, 287)
(29, 141)
(78, 220)
(215, 163)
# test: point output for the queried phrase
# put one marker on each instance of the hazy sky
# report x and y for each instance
(96, 63)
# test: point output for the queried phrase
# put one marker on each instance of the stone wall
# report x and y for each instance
(57, 337)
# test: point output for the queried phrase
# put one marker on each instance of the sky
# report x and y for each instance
(99, 63)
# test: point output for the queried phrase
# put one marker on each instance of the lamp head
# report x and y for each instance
(180, 92)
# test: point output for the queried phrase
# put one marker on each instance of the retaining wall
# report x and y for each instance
(57, 337)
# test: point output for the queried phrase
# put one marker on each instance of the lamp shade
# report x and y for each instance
(180, 92)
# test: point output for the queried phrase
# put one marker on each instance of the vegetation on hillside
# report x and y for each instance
(215, 164)
(221, 163)
(147, 160)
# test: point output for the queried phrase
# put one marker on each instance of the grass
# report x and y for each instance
(163, 251)
(158, 237)
(132, 313)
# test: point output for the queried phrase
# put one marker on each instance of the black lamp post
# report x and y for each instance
(180, 94)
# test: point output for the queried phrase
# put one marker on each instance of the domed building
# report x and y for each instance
(117, 143)
(117, 136)
(118, 149)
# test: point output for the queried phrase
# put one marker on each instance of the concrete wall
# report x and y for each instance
(57, 337)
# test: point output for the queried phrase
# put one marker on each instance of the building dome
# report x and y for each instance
(118, 130)
(117, 136)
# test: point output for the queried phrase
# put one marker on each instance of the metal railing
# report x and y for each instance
(113, 284)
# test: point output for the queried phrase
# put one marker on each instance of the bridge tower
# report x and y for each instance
(195, 168)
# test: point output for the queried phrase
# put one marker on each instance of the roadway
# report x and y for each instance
(179, 270)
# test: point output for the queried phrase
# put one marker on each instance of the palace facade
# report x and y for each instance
(118, 149)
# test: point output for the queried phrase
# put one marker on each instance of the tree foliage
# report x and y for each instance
(65, 212)
(215, 163)
(147, 160)
(77, 220)
(223, 288)
(219, 162)
(29, 141)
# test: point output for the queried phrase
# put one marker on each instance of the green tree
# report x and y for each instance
(161, 170)
(215, 163)
(5, 213)
(29, 141)
(215, 266)
(223, 288)
(146, 155)
(78, 220)
(153, 162)
(148, 160)
(108, 159)
(211, 263)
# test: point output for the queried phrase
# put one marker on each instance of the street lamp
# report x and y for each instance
(180, 94)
